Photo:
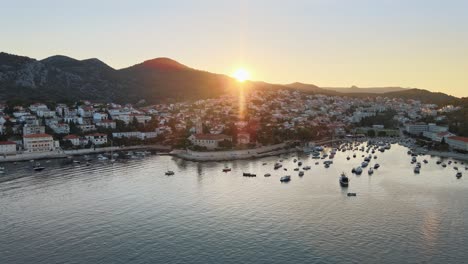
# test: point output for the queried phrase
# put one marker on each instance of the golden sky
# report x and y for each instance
(329, 43)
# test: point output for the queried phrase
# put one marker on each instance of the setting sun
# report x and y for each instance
(241, 75)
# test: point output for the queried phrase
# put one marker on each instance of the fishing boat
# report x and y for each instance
(344, 180)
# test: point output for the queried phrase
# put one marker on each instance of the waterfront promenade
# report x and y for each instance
(58, 154)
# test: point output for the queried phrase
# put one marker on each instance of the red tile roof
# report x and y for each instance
(7, 143)
(71, 137)
(37, 136)
(211, 137)
(464, 139)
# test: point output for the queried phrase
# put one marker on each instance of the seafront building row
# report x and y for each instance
(221, 122)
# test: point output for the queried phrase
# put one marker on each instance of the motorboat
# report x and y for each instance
(301, 173)
(286, 178)
(38, 167)
(376, 166)
(459, 175)
(306, 168)
(248, 174)
(348, 158)
(226, 169)
(169, 173)
(299, 163)
(364, 164)
(344, 180)
(267, 175)
(296, 169)
(358, 170)
(278, 165)
(370, 171)
(351, 194)
(417, 169)
(444, 165)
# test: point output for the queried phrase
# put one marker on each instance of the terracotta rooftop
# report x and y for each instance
(7, 143)
(211, 136)
(464, 139)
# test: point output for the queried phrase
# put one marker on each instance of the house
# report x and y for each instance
(74, 139)
(99, 116)
(106, 124)
(28, 130)
(38, 142)
(87, 127)
(7, 147)
(97, 138)
(210, 141)
(60, 128)
(243, 138)
(458, 143)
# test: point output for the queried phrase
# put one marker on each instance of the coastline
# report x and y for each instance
(60, 154)
(265, 151)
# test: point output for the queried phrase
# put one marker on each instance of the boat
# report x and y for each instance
(301, 173)
(296, 169)
(248, 174)
(348, 158)
(455, 168)
(413, 159)
(439, 162)
(351, 194)
(459, 175)
(299, 163)
(101, 157)
(306, 168)
(76, 161)
(344, 180)
(376, 166)
(226, 169)
(277, 165)
(88, 163)
(370, 171)
(444, 165)
(358, 170)
(267, 175)
(364, 164)
(327, 165)
(264, 163)
(169, 173)
(417, 169)
(425, 161)
(38, 167)
(285, 178)
(295, 160)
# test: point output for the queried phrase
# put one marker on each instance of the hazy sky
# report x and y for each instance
(409, 43)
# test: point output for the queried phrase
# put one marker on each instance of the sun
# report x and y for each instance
(241, 75)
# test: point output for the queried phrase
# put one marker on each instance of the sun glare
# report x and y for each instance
(241, 75)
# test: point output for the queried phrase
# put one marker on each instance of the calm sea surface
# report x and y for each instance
(130, 212)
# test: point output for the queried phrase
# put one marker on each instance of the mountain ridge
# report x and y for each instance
(156, 80)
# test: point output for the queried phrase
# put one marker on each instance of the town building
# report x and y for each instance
(97, 138)
(38, 143)
(7, 147)
(210, 141)
(28, 130)
(458, 143)
(74, 139)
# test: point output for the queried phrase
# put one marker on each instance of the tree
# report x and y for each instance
(371, 133)
(382, 133)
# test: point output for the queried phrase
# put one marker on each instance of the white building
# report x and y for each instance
(97, 138)
(209, 141)
(28, 130)
(416, 129)
(99, 116)
(38, 143)
(459, 143)
(74, 139)
(7, 147)
(106, 124)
